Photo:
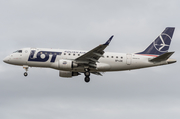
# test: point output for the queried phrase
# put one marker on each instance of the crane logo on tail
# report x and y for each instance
(162, 43)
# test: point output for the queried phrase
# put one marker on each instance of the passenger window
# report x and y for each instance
(107, 56)
(64, 53)
(116, 56)
(74, 54)
(111, 56)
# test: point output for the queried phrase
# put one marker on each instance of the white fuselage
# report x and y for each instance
(49, 58)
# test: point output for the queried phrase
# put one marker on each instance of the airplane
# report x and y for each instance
(72, 63)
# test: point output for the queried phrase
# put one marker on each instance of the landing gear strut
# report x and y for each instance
(87, 74)
(26, 68)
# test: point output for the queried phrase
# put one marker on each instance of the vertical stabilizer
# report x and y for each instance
(161, 44)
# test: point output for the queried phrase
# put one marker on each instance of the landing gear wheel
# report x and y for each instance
(87, 79)
(87, 73)
(25, 73)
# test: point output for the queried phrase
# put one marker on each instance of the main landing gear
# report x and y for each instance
(87, 74)
(26, 68)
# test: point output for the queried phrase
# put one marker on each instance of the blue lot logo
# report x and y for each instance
(43, 56)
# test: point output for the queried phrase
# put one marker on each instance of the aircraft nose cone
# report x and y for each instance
(6, 60)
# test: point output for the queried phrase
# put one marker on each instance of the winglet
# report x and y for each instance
(109, 40)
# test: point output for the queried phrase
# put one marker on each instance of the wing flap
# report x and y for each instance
(97, 73)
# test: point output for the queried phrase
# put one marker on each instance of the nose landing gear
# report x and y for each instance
(26, 68)
(25, 73)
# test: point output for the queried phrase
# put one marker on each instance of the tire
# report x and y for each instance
(86, 79)
(25, 73)
(87, 73)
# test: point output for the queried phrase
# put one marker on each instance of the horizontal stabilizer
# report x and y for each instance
(162, 57)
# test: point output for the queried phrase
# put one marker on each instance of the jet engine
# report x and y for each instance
(66, 64)
(68, 74)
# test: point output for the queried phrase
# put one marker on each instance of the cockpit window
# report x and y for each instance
(18, 51)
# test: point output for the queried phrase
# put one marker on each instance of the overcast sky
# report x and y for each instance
(151, 93)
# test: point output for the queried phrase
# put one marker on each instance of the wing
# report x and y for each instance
(90, 58)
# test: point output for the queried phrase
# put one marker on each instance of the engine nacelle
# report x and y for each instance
(68, 74)
(66, 64)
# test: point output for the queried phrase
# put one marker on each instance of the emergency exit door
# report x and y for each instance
(128, 59)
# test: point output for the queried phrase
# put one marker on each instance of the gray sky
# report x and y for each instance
(146, 93)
